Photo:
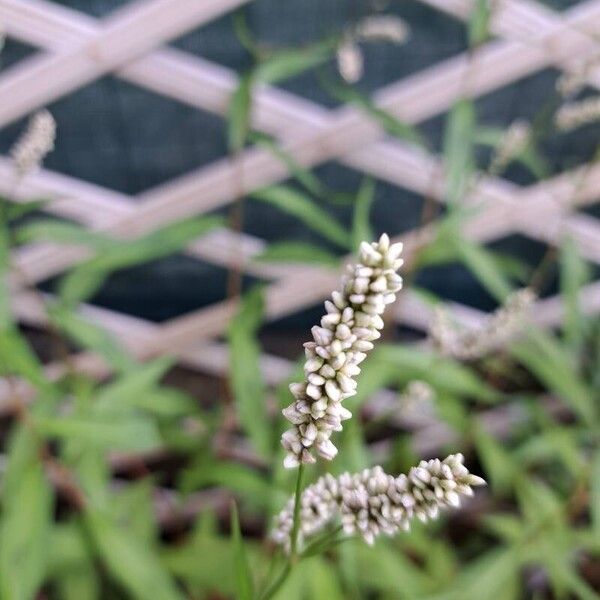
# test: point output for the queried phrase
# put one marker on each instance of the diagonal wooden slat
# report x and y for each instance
(129, 32)
(354, 121)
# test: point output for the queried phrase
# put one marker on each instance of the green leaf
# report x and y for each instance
(498, 465)
(92, 337)
(458, 150)
(245, 372)
(285, 64)
(132, 433)
(17, 358)
(71, 563)
(27, 512)
(62, 232)
(544, 356)
(595, 494)
(298, 252)
(303, 208)
(361, 228)
(240, 108)
(87, 278)
(482, 263)
(16, 210)
(574, 273)
(129, 389)
(241, 567)
(130, 561)
(479, 23)
(387, 121)
(304, 176)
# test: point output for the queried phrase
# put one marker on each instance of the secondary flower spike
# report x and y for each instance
(372, 502)
(347, 332)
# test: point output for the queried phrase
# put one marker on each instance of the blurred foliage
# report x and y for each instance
(122, 485)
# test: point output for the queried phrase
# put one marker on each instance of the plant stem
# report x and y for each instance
(294, 557)
(296, 525)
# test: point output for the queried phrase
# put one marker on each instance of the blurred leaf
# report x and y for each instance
(303, 208)
(83, 281)
(73, 570)
(285, 64)
(498, 466)
(479, 22)
(62, 232)
(595, 494)
(543, 355)
(17, 358)
(323, 583)
(361, 228)
(241, 567)
(480, 262)
(297, 252)
(91, 337)
(131, 388)
(245, 372)
(130, 561)
(132, 433)
(17, 210)
(247, 483)
(458, 150)
(240, 108)
(387, 121)
(5, 294)
(305, 176)
(441, 373)
(25, 526)
(574, 273)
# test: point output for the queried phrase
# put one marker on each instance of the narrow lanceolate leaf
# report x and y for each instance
(128, 390)
(240, 108)
(131, 433)
(361, 228)
(302, 207)
(241, 568)
(130, 561)
(25, 526)
(62, 232)
(290, 63)
(595, 494)
(246, 379)
(458, 150)
(91, 337)
(391, 124)
(483, 264)
(574, 273)
(297, 252)
(87, 278)
(548, 360)
(479, 22)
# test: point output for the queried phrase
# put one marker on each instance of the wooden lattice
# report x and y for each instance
(78, 49)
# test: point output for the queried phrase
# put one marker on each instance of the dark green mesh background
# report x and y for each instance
(125, 138)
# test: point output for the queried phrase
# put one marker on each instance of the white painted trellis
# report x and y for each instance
(77, 49)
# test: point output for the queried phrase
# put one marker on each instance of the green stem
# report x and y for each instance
(293, 558)
(271, 591)
(296, 525)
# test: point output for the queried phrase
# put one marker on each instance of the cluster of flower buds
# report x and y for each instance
(418, 399)
(574, 114)
(378, 28)
(347, 332)
(35, 143)
(470, 344)
(513, 142)
(372, 502)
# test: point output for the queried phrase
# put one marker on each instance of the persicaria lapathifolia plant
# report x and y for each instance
(372, 502)
(347, 332)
